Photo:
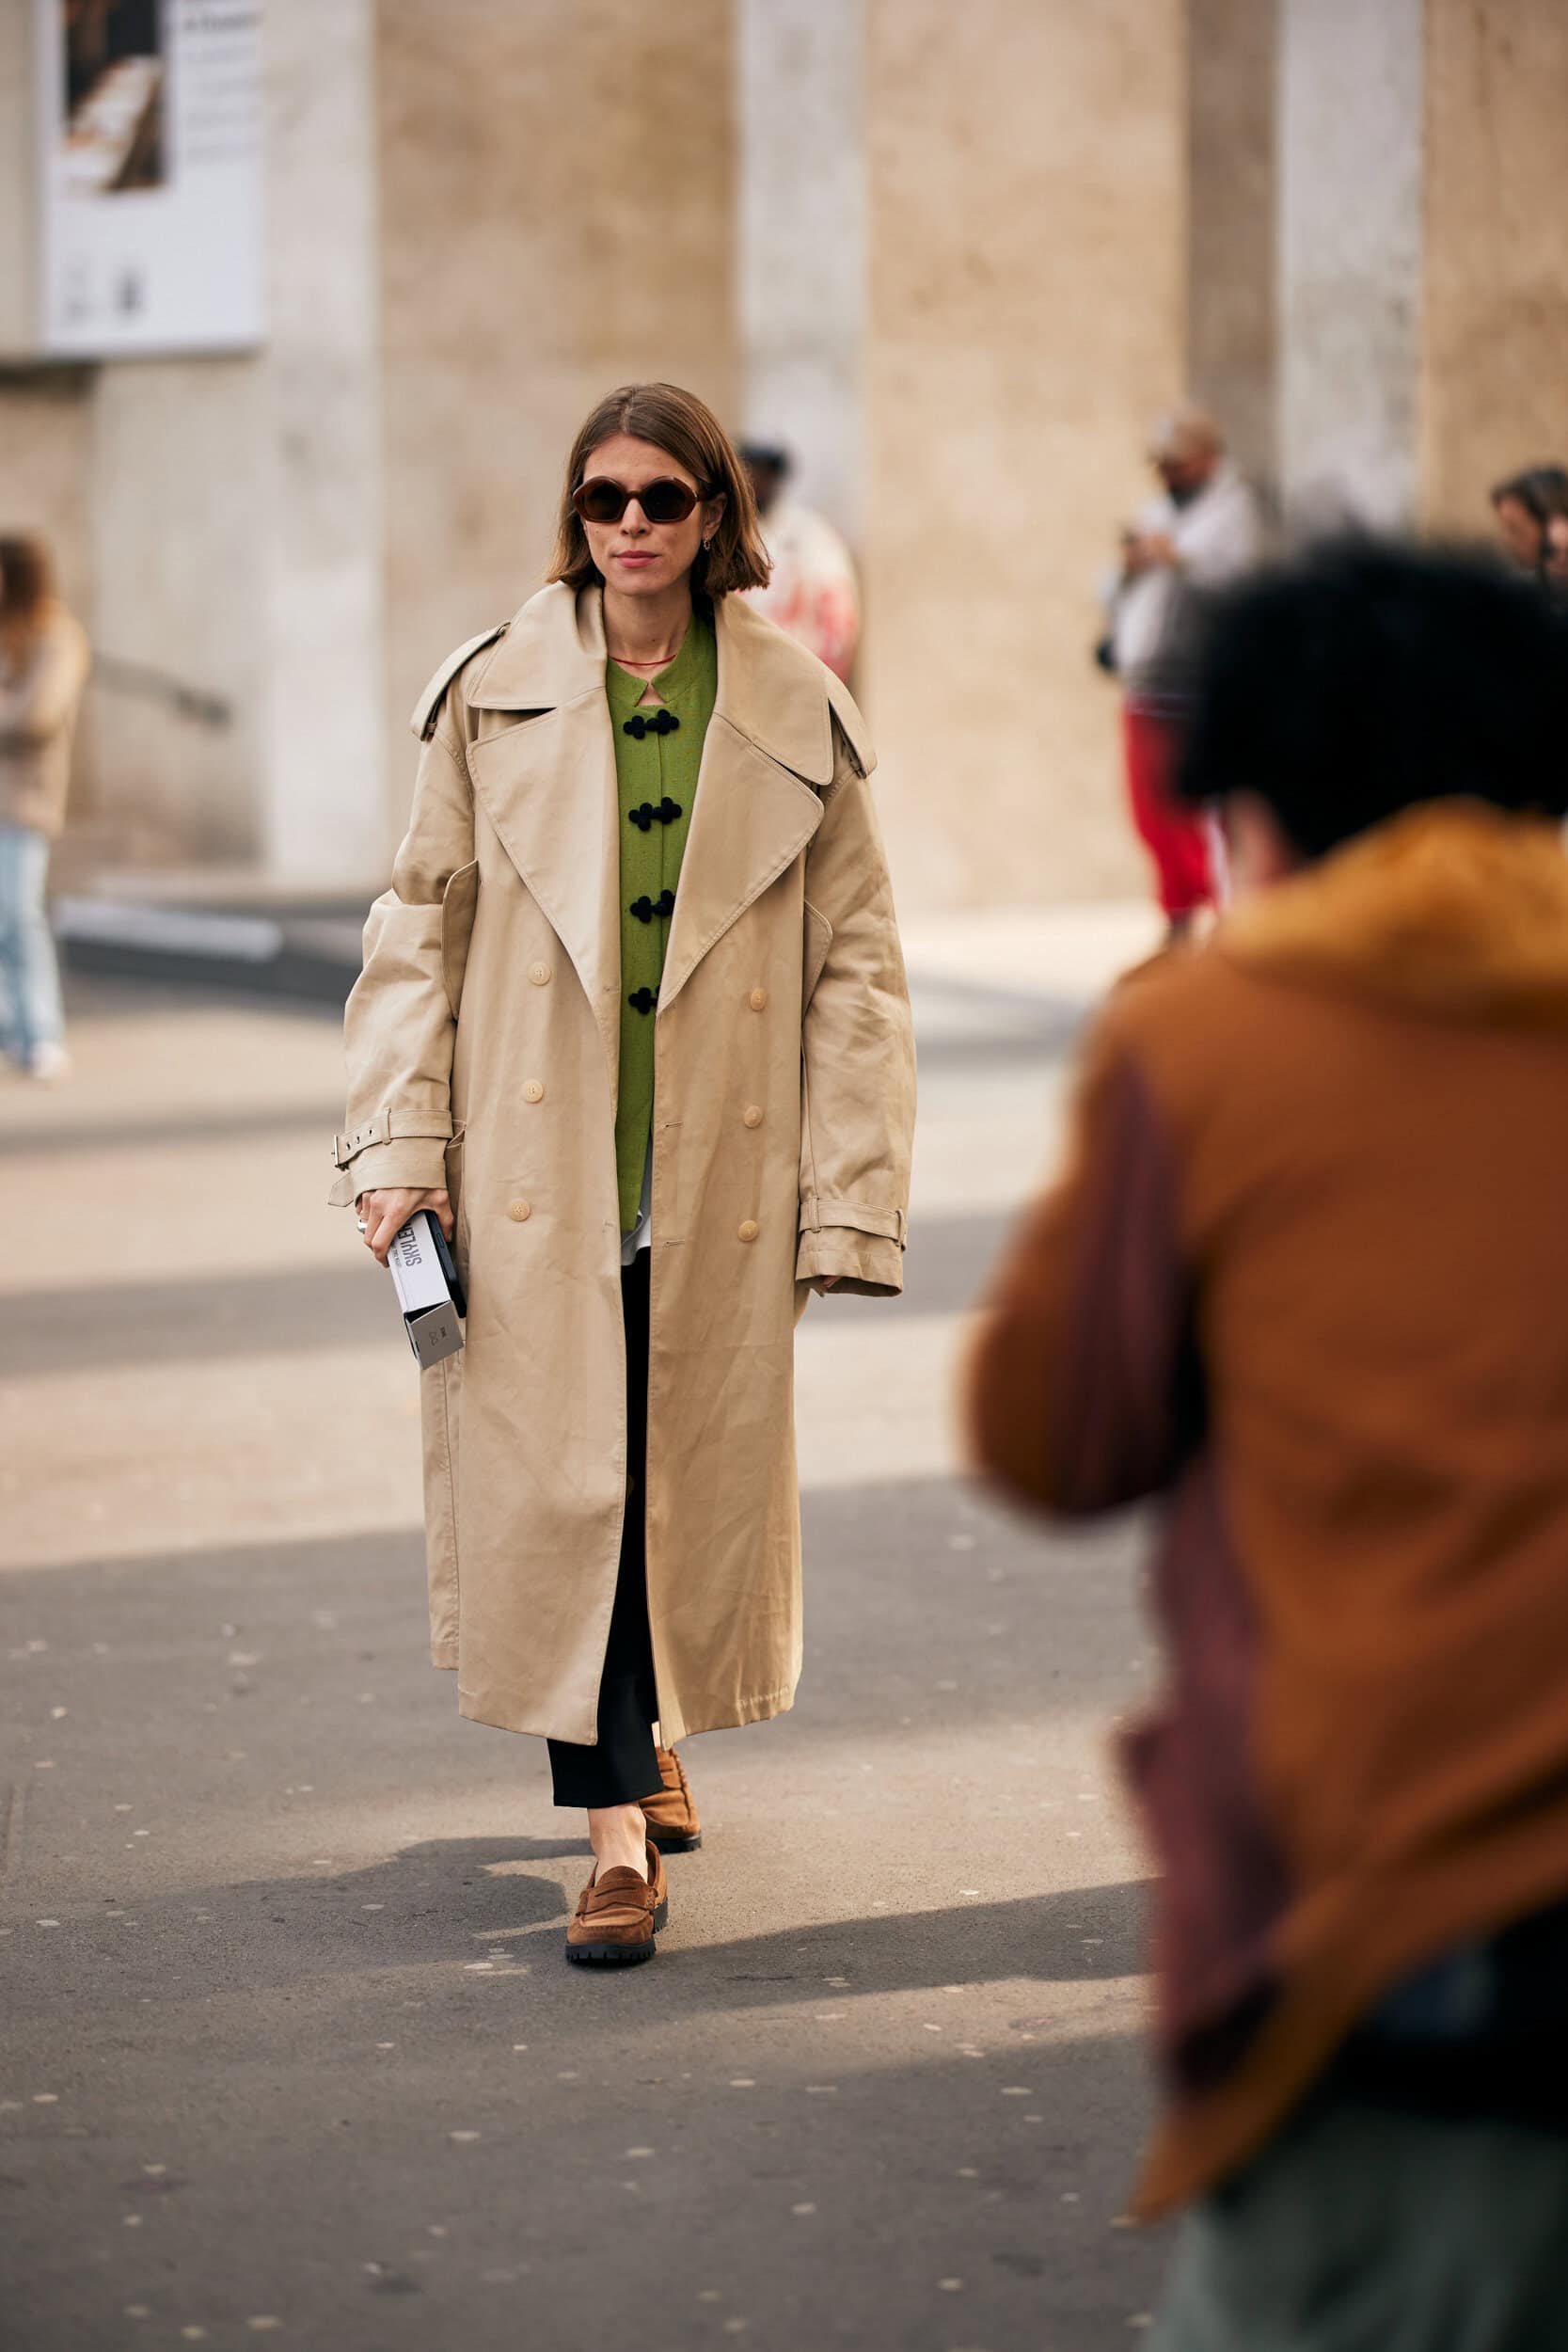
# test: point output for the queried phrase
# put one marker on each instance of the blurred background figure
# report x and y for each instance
(813, 592)
(1521, 507)
(1202, 530)
(43, 668)
(1293, 1284)
(1554, 560)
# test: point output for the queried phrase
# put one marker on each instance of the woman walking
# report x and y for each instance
(43, 668)
(633, 1025)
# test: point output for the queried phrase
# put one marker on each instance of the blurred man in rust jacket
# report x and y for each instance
(1306, 1281)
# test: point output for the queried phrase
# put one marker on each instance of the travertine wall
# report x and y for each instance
(801, 205)
(962, 255)
(1494, 356)
(557, 211)
(178, 531)
(1027, 223)
(234, 525)
(1232, 211)
(1350, 180)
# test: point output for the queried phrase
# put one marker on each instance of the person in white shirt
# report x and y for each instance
(813, 594)
(1203, 530)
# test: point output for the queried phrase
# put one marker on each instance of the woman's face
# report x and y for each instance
(1519, 533)
(1556, 547)
(639, 558)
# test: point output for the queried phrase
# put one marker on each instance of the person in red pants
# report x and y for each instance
(1180, 841)
(1203, 530)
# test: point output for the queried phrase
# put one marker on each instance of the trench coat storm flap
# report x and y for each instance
(483, 1049)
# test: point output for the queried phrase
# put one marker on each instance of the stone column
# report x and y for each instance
(556, 209)
(1028, 299)
(1232, 342)
(1494, 356)
(801, 223)
(1350, 179)
(323, 743)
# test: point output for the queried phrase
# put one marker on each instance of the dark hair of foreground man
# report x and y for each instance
(1306, 1282)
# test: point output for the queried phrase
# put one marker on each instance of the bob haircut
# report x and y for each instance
(1367, 676)
(688, 432)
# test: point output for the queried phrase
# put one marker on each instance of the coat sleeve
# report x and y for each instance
(399, 1024)
(44, 697)
(1083, 1389)
(857, 1129)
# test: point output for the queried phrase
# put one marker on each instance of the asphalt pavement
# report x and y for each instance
(290, 2047)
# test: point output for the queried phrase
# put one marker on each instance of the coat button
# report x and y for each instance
(533, 1091)
(751, 1114)
(519, 1211)
(539, 974)
(747, 1231)
(757, 998)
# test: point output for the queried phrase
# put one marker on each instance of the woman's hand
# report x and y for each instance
(384, 1215)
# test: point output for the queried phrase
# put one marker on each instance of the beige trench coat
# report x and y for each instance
(482, 1047)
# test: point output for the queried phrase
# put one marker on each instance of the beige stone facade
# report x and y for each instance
(960, 257)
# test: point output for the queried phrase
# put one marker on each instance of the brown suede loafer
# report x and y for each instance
(617, 1916)
(670, 1812)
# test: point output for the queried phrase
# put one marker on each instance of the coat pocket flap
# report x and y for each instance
(459, 902)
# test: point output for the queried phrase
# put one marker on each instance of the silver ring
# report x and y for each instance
(360, 1222)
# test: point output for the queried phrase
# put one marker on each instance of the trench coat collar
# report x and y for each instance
(770, 689)
(549, 787)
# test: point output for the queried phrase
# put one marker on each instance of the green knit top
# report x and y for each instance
(657, 754)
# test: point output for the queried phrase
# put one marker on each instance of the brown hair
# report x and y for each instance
(26, 591)
(686, 430)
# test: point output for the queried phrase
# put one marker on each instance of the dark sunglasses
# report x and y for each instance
(602, 500)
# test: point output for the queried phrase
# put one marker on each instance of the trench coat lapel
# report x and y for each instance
(548, 783)
(769, 740)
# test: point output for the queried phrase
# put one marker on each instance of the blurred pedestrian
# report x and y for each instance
(1521, 506)
(44, 669)
(1554, 551)
(1303, 1281)
(1203, 530)
(633, 1024)
(813, 593)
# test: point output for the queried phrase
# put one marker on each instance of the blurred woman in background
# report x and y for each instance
(1523, 506)
(43, 668)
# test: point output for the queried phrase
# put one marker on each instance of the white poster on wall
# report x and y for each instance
(150, 159)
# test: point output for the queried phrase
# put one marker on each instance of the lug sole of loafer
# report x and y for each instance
(672, 1841)
(620, 1955)
(610, 1955)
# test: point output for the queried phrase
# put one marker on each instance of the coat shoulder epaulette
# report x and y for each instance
(428, 708)
(856, 733)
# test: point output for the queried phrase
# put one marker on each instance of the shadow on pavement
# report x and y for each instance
(477, 1903)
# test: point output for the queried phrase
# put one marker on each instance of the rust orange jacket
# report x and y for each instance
(1305, 1279)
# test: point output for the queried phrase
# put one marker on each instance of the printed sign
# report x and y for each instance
(150, 160)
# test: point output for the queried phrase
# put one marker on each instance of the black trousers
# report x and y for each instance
(624, 1766)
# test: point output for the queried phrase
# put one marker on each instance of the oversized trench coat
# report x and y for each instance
(482, 1050)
